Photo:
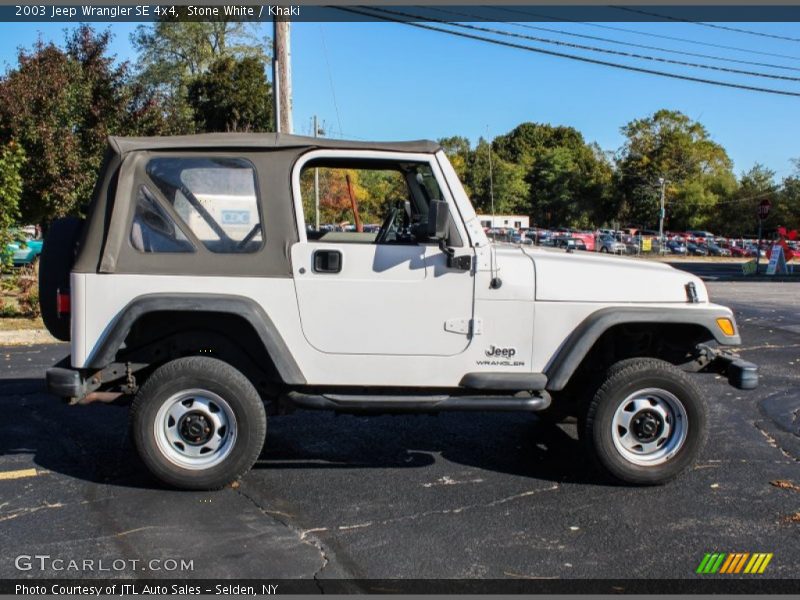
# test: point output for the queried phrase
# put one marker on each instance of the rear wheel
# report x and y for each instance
(646, 423)
(198, 423)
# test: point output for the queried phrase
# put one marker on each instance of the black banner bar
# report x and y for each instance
(751, 584)
(203, 11)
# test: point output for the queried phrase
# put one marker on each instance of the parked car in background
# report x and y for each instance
(25, 249)
(609, 244)
(695, 249)
(570, 243)
(753, 250)
(713, 249)
(676, 246)
(701, 236)
(588, 239)
(515, 238)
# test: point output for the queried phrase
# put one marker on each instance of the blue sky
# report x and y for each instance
(392, 81)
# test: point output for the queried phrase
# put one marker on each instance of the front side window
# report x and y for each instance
(216, 198)
(368, 202)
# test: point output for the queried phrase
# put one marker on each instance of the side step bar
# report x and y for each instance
(434, 403)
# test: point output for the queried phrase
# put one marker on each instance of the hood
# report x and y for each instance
(591, 277)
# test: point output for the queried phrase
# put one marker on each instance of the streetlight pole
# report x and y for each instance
(491, 174)
(663, 183)
(317, 131)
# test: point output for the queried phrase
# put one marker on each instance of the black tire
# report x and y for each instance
(675, 395)
(55, 264)
(200, 379)
(604, 249)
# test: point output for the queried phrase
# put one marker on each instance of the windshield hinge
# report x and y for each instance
(464, 326)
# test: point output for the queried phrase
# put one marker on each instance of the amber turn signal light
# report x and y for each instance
(726, 325)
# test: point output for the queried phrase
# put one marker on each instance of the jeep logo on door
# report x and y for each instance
(501, 352)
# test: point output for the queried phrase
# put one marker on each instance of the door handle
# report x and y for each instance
(327, 261)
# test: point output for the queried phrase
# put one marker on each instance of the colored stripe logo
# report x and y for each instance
(734, 563)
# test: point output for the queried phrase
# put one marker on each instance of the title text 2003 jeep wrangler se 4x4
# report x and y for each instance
(202, 286)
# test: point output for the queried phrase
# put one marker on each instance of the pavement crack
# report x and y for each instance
(13, 514)
(774, 442)
(448, 511)
(302, 535)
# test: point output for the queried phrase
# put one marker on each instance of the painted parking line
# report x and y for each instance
(19, 474)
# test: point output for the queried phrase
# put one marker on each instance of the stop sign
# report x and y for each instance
(763, 209)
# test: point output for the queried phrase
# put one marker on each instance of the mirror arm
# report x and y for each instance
(460, 263)
(446, 249)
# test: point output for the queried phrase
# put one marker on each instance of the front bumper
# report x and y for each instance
(741, 374)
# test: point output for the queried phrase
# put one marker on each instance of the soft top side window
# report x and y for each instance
(153, 230)
(217, 199)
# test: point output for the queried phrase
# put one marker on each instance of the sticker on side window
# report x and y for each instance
(235, 217)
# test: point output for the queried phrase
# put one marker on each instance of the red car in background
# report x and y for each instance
(587, 238)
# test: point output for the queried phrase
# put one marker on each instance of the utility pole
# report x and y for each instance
(663, 183)
(491, 175)
(317, 133)
(281, 75)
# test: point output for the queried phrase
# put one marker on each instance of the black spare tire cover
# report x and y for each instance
(58, 257)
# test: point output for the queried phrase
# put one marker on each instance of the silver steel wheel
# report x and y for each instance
(195, 429)
(649, 427)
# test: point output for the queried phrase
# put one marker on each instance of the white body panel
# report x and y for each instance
(386, 300)
(593, 277)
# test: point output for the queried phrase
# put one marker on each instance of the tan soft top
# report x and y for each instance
(206, 141)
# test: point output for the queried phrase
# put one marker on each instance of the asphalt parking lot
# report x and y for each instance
(454, 496)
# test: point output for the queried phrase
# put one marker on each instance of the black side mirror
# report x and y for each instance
(438, 219)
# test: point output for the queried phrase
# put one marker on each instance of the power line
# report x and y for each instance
(631, 44)
(648, 34)
(330, 78)
(597, 49)
(585, 59)
(712, 25)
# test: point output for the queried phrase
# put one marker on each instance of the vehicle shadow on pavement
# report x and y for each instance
(509, 443)
(88, 443)
(91, 443)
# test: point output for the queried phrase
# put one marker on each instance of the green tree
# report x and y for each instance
(569, 180)
(60, 105)
(171, 54)
(459, 152)
(669, 144)
(737, 216)
(12, 158)
(502, 180)
(787, 202)
(233, 95)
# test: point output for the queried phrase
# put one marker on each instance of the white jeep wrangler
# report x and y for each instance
(199, 288)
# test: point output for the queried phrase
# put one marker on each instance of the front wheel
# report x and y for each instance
(198, 423)
(646, 423)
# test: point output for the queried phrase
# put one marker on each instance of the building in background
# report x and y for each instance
(515, 221)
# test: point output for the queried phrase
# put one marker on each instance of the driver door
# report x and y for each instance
(386, 289)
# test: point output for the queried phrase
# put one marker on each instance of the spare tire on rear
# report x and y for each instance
(58, 257)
